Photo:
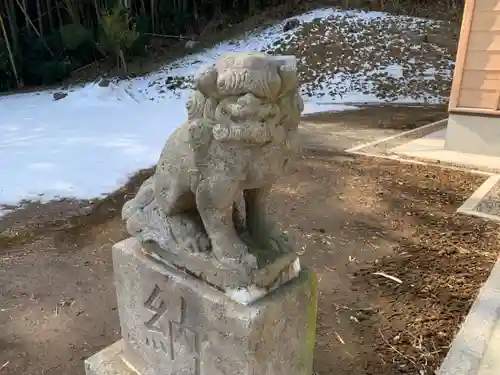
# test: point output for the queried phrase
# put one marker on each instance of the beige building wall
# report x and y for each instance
(473, 134)
(474, 124)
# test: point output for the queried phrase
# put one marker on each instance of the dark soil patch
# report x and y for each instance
(442, 262)
(386, 116)
(357, 217)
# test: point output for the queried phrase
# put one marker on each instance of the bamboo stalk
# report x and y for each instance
(122, 58)
(49, 13)
(9, 50)
(196, 15)
(153, 18)
(14, 32)
(71, 11)
(26, 23)
(97, 11)
(58, 12)
(46, 13)
(34, 27)
(39, 16)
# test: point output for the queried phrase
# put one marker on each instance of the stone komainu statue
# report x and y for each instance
(240, 134)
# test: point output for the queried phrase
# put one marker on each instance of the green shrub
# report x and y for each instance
(118, 33)
(78, 45)
(142, 26)
(46, 73)
(73, 36)
(52, 72)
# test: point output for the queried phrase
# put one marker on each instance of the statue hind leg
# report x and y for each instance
(173, 198)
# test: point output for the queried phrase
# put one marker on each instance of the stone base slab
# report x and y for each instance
(270, 276)
(173, 323)
(109, 361)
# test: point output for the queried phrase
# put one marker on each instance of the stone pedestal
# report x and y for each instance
(175, 324)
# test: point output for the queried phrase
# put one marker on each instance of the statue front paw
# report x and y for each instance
(233, 253)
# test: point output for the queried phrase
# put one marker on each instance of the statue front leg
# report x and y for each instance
(214, 199)
(260, 224)
(238, 220)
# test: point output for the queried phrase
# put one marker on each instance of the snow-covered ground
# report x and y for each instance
(88, 143)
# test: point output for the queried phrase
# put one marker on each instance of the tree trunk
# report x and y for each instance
(122, 58)
(26, 23)
(153, 18)
(97, 11)
(251, 7)
(9, 50)
(39, 16)
(14, 32)
(49, 13)
(34, 27)
(196, 17)
(59, 16)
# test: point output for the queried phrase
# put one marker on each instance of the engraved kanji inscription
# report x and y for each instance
(174, 338)
(158, 311)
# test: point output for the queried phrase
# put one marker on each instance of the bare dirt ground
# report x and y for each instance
(349, 216)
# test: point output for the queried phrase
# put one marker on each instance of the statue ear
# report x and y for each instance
(206, 81)
(195, 105)
(289, 79)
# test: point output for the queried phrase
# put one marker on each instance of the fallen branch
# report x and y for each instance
(396, 350)
(393, 278)
(341, 340)
(166, 36)
(86, 66)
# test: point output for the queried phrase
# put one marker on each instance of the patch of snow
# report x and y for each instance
(88, 143)
(311, 107)
(4, 212)
(95, 95)
(82, 146)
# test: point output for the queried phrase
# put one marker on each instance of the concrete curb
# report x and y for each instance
(398, 135)
(472, 349)
(469, 206)
(381, 148)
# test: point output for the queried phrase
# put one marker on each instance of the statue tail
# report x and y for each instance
(143, 198)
